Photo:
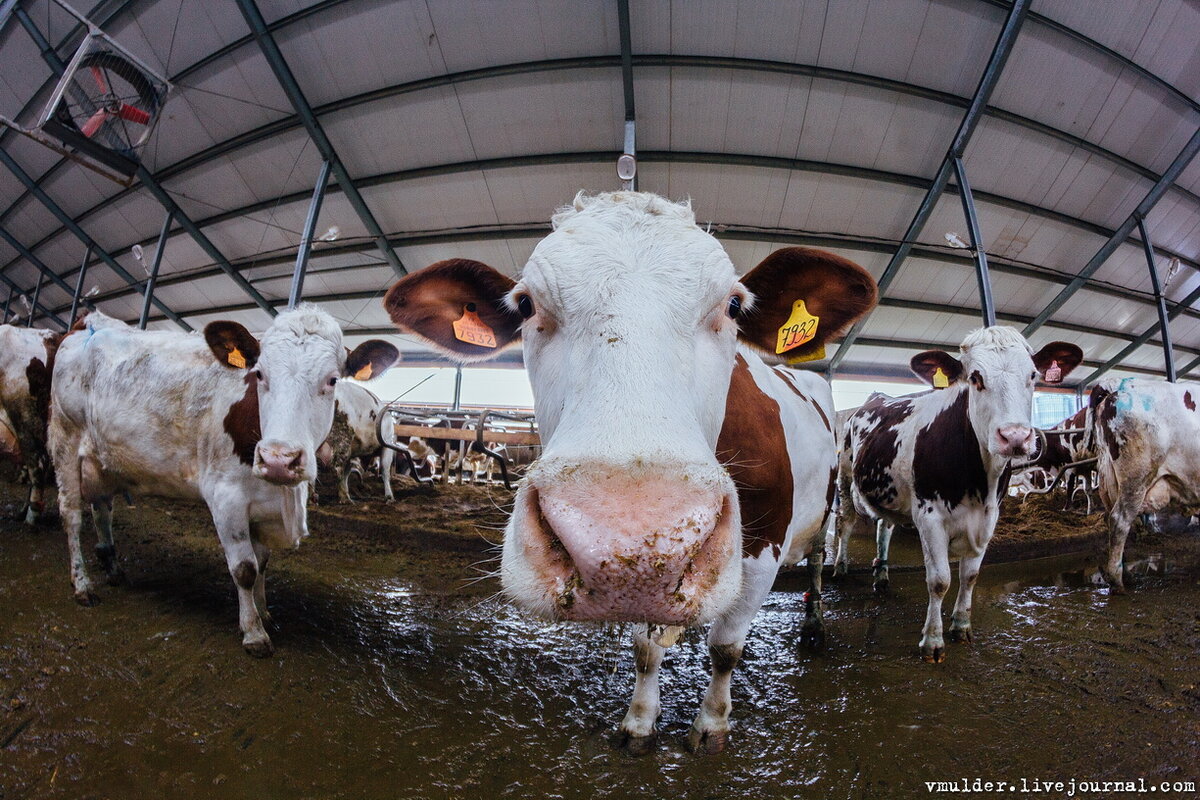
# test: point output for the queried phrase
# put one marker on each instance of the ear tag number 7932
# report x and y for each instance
(471, 329)
(800, 328)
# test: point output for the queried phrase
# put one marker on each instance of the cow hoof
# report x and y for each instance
(707, 743)
(87, 598)
(882, 586)
(389, 501)
(636, 745)
(259, 648)
(840, 570)
(934, 655)
(962, 634)
(117, 577)
(812, 637)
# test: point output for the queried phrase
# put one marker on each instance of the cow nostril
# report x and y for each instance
(297, 462)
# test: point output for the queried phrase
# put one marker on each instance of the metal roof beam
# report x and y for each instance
(1121, 233)
(270, 49)
(46, 312)
(80, 234)
(1191, 365)
(987, 82)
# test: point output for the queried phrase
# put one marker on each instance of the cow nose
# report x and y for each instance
(634, 550)
(279, 463)
(1015, 440)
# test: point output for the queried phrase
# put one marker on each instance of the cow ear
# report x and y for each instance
(804, 298)
(231, 344)
(370, 359)
(1056, 359)
(937, 368)
(458, 307)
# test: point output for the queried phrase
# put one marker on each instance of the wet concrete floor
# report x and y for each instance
(395, 676)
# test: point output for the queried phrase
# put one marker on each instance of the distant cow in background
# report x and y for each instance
(355, 434)
(224, 417)
(26, 360)
(1147, 440)
(940, 460)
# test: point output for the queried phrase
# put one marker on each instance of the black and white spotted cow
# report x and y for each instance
(1147, 440)
(940, 460)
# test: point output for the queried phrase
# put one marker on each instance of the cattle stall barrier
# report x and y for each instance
(469, 428)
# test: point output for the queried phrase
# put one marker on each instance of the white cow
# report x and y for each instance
(940, 461)
(222, 417)
(26, 358)
(1147, 440)
(679, 470)
(355, 434)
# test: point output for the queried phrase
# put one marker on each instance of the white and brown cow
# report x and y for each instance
(222, 417)
(940, 461)
(1147, 440)
(679, 470)
(26, 359)
(355, 434)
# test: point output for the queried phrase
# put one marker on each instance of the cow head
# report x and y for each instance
(630, 316)
(999, 368)
(294, 369)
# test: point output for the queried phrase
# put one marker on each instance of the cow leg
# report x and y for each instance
(106, 551)
(812, 632)
(342, 476)
(937, 578)
(263, 554)
(385, 470)
(65, 448)
(849, 523)
(37, 490)
(233, 529)
(1120, 519)
(638, 731)
(710, 730)
(960, 622)
(883, 542)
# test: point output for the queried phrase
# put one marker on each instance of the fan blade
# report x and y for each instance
(98, 74)
(94, 122)
(133, 114)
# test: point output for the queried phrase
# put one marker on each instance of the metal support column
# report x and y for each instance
(457, 388)
(306, 239)
(981, 265)
(150, 281)
(1163, 319)
(7, 303)
(37, 293)
(630, 145)
(966, 128)
(283, 73)
(78, 293)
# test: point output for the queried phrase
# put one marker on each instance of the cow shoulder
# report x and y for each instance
(753, 446)
(947, 463)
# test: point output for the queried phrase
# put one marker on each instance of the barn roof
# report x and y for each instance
(455, 128)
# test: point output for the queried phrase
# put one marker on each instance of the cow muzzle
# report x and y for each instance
(614, 548)
(1014, 440)
(280, 463)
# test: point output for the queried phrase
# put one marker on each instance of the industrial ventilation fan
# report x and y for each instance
(105, 105)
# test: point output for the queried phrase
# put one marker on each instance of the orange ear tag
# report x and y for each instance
(364, 372)
(1053, 373)
(471, 329)
(940, 381)
(800, 327)
(236, 359)
(816, 355)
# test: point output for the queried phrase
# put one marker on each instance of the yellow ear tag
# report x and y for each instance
(236, 359)
(364, 372)
(816, 355)
(1053, 373)
(800, 327)
(471, 329)
(940, 381)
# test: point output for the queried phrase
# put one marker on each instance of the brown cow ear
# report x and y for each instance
(1056, 360)
(458, 307)
(804, 298)
(231, 344)
(370, 359)
(937, 368)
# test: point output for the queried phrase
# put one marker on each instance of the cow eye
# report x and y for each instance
(524, 306)
(976, 380)
(735, 307)
(333, 380)
(258, 375)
